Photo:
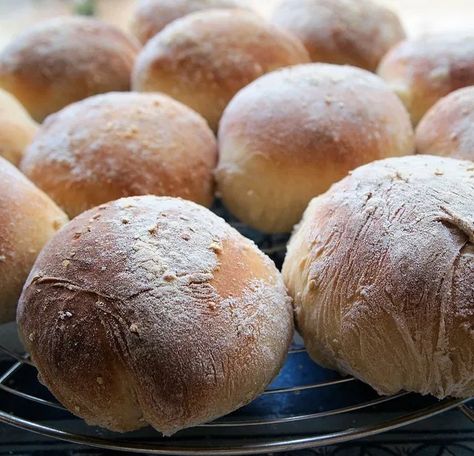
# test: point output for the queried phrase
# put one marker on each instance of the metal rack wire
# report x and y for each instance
(266, 427)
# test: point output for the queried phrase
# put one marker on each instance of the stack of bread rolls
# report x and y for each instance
(167, 314)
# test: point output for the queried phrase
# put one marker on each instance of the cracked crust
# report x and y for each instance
(66, 59)
(28, 220)
(353, 32)
(205, 58)
(122, 144)
(289, 135)
(164, 313)
(382, 271)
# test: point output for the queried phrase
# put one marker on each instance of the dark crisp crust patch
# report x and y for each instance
(382, 272)
(131, 299)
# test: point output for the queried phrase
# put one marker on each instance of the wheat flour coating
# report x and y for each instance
(381, 270)
(446, 129)
(151, 16)
(354, 32)
(63, 60)
(425, 69)
(289, 135)
(17, 128)
(122, 144)
(205, 58)
(29, 219)
(167, 314)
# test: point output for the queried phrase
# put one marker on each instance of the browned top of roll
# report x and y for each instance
(121, 144)
(355, 32)
(63, 60)
(28, 219)
(151, 16)
(292, 133)
(343, 103)
(204, 58)
(424, 69)
(448, 127)
(165, 313)
(17, 128)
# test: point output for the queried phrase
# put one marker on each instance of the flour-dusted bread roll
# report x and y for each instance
(122, 144)
(355, 32)
(381, 270)
(289, 135)
(448, 127)
(151, 16)
(205, 58)
(28, 219)
(166, 314)
(425, 69)
(17, 128)
(62, 60)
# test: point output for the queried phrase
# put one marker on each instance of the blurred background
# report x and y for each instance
(418, 16)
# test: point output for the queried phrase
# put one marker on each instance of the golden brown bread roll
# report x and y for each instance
(425, 69)
(122, 144)
(447, 128)
(166, 314)
(17, 128)
(289, 135)
(151, 16)
(28, 219)
(381, 270)
(354, 32)
(62, 60)
(204, 58)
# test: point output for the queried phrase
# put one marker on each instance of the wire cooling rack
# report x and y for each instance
(306, 406)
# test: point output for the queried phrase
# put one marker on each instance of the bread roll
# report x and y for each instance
(62, 60)
(447, 128)
(203, 59)
(151, 16)
(29, 218)
(381, 270)
(17, 128)
(122, 144)
(425, 69)
(166, 314)
(289, 135)
(355, 32)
